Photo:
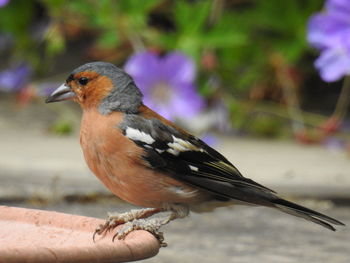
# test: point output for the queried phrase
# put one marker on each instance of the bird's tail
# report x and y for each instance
(306, 213)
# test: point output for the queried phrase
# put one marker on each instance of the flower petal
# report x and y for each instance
(4, 2)
(210, 139)
(178, 68)
(164, 110)
(333, 64)
(143, 67)
(324, 30)
(338, 6)
(14, 79)
(187, 103)
(175, 71)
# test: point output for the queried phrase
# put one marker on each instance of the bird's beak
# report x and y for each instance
(63, 92)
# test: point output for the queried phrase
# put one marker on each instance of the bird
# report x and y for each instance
(150, 162)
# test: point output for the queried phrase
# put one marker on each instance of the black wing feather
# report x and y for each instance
(190, 160)
(209, 163)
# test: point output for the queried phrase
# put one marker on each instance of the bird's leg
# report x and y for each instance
(151, 225)
(115, 219)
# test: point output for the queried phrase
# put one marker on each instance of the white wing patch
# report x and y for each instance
(137, 135)
(175, 148)
(193, 168)
(180, 145)
(184, 193)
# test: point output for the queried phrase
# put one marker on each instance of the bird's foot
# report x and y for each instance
(151, 225)
(115, 219)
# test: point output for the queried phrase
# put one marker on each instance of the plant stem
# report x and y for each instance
(343, 100)
(289, 92)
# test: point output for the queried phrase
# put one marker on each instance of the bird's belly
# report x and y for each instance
(133, 182)
(152, 190)
(143, 187)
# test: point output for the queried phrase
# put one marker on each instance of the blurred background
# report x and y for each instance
(263, 81)
(248, 62)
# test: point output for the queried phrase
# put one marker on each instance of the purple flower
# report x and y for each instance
(330, 32)
(46, 88)
(16, 78)
(210, 139)
(334, 63)
(335, 144)
(338, 6)
(167, 83)
(4, 2)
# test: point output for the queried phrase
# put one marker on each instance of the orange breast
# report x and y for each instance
(118, 163)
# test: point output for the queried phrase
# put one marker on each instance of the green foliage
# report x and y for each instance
(270, 27)
(194, 32)
(243, 36)
(15, 19)
(62, 127)
(265, 126)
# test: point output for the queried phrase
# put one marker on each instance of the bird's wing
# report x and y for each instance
(187, 158)
(192, 161)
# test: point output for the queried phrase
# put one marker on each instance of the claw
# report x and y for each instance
(160, 238)
(115, 235)
(125, 230)
(152, 226)
(101, 229)
(135, 220)
(93, 236)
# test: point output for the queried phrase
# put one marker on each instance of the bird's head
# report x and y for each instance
(100, 85)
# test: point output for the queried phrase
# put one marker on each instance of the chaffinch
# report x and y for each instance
(150, 162)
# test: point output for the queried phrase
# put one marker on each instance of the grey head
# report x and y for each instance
(124, 96)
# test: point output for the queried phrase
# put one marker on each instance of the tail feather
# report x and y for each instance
(306, 213)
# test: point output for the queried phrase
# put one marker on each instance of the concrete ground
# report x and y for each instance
(40, 170)
(37, 164)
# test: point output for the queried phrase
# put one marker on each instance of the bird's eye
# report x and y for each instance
(83, 81)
